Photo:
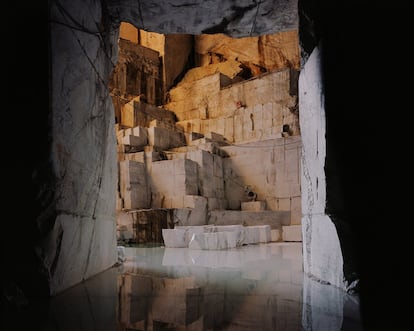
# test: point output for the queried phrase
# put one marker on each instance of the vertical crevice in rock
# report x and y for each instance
(307, 227)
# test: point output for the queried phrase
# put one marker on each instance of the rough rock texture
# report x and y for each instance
(136, 74)
(321, 249)
(175, 50)
(263, 53)
(244, 18)
(229, 68)
(82, 239)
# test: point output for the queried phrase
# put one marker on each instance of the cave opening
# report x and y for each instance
(60, 234)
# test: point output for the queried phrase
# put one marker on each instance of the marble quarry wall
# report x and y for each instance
(321, 248)
(80, 236)
(256, 54)
(195, 179)
(249, 110)
(270, 168)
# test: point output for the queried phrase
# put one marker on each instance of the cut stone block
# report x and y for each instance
(225, 217)
(213, 240)
(138, 157)
(159, 138)
(189, 217)
(217, 204)
(148, 225)
(191, 136)
(135, 141)
(177, 139)
(264, 233)
(176, 201)
(275, 235)
(253, 206)
(191, 230)
(218, 167)
(195, 201)
(251, 235)
(296, 211)
(173, 178)
(164, 139)
(200, 141)
(257, 234)
(119, 203)
(292, 233)
(133, 184)
(140, 131)
(229, 217)
(174, 237)
(145, 114)
(283, 204)
(210, 185)
(237, 229)
(213, 136)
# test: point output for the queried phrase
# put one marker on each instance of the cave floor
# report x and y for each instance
(254, 287)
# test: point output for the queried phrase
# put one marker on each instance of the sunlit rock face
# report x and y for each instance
(259, 54)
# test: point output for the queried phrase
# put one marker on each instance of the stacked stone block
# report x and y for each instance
(133, 185)
(171, 181)
(210, 177)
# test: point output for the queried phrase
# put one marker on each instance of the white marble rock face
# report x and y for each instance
(191, 230)
(213, 241)
(292, 233)
(174, 237)
(322, 255)
(237, 229)
(251, 235)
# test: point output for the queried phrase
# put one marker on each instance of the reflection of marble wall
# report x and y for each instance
(88, 306)
(322, 306)
(241, 287)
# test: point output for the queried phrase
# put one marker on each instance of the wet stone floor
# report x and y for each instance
(255, 287)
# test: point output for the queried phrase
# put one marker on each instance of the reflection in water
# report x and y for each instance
(256, 287)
